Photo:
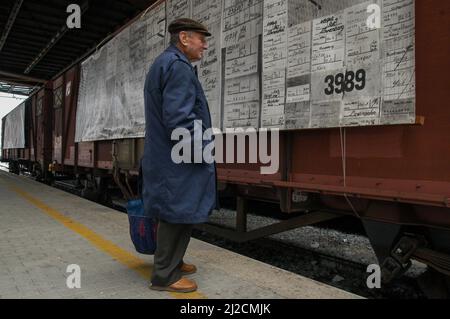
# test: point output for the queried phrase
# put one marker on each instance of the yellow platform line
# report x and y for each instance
(121, 255)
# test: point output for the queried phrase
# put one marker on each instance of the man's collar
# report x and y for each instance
(174, 48)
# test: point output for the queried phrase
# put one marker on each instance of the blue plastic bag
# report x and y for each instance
(143, 228)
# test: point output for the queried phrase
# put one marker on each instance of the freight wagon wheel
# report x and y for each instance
(14, 167)
(96, 195)
(434, 284)
(90, 194)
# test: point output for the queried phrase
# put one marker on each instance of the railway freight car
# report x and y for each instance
(394, 175)
(26, 135)
(16, 137)
(82, 166)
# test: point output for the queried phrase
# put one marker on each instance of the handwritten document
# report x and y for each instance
(398, 62)
(156, 31)
(241, 59)
(177, 9)
(274, 63)
(208, 12)
(299, 50)
(362, 42)
(242, 20)
(241, 30)
(328, 42)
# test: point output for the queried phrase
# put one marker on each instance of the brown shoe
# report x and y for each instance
(187, 269)
(182, 285)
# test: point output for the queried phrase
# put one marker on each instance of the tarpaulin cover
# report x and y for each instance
(15, 128)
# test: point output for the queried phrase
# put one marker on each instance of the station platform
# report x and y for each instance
(43, 230)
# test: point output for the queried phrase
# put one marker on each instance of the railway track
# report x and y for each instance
(348, 273)
(338, 272)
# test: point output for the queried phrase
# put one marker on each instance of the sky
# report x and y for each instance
(7, 103)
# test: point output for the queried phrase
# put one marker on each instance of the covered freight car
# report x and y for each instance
(15, 137)
(27, 135)
(394, 177)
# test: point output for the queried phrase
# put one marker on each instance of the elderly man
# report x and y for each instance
(182, 194)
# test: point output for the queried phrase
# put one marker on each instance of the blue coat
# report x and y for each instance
(184, 193)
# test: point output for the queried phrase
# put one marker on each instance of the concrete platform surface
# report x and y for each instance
(43, 230)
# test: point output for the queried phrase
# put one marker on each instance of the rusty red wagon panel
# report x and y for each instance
(410, 163)
(348, 167)
(43, 124)
(65, 93)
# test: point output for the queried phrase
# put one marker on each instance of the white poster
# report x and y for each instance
(399, 73)
(14, 130)
(209, 13)
(290, 64)
(274, 63)
(241, 30)
(328, 42)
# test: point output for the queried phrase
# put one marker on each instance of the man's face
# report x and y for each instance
(194, 43)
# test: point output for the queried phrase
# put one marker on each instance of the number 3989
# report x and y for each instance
(340, 83)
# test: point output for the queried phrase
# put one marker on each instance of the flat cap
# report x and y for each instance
(185, 24)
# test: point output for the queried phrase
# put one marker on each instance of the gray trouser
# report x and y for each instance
(171, 244)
